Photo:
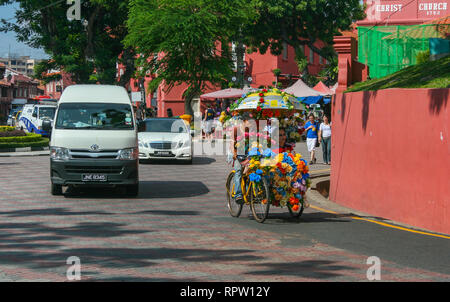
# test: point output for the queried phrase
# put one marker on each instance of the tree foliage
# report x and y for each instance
(330, 72)
(185, 41)
(88, 49)
(301, 22)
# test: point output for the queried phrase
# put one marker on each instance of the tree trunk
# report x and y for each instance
(299, 56)
(188, 103)
(240, 50)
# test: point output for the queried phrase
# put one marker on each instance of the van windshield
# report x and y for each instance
(47, 112)
(97, 116)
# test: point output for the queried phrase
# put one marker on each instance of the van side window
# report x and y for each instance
(35, 111)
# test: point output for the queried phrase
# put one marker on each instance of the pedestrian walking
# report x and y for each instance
(325, 139)
(208, 121)
(312, 128)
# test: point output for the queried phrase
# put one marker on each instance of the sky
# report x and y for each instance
(8, 40)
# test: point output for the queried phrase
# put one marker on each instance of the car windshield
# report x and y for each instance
(47, 112)
(97, 116)
(163, 125)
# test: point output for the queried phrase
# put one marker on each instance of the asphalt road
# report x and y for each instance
(178, 229)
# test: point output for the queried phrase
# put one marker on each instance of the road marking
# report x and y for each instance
(383, 223)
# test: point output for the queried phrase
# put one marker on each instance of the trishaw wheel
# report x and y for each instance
(298, 213)
(260, 202)
(234, 208)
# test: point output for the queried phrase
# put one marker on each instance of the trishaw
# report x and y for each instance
(269, 178)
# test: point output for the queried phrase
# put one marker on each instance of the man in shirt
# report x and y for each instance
(311, 128)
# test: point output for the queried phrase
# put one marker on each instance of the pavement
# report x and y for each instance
(179, 229)
(26, 153)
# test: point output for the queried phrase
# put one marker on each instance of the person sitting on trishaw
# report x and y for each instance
(240, 162)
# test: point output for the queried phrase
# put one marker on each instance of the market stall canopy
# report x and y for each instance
(315, 100)
(300, 89)
(229, 93)
(321, 87)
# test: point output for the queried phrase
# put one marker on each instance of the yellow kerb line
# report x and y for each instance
(383, 224)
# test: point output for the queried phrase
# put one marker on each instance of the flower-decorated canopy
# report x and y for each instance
(273, 99)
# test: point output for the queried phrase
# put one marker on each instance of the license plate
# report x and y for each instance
(93, 177)
(163, 153)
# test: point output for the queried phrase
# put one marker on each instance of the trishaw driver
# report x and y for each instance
(239, 160)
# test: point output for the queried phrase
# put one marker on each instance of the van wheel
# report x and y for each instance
(56, 190)
(132, 190)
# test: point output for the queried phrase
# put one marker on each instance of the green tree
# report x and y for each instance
(330, 72)
(186, 41)
(299, 23)
(88, 49)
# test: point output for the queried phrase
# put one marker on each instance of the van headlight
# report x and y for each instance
(129, 154)
(58, 153)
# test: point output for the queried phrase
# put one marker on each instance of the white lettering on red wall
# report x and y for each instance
(389, 8)
(433, 9)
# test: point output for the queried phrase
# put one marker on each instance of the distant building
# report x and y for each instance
(55, 88)
(22, 64)
(16, 89)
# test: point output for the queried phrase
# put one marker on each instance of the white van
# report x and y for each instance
(94, 139)
(33, 115)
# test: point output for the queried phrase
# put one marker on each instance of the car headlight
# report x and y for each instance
(129, 154)
(58, 153)
(142, 144)
(183, 144)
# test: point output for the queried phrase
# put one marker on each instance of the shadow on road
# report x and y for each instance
(168, 213)
(316, 217)
(317, 269)
(124, 257)
(50, 212)
(9, 164)
(195, 161)
(147, 190)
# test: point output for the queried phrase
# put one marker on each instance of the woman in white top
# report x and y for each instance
(325, 139)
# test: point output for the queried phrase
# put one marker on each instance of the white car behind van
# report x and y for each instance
(94, 139)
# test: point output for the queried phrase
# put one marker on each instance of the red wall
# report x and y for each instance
(260, 66)
(391, 155)
(403, 12)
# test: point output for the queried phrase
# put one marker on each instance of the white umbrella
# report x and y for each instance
(300, 89)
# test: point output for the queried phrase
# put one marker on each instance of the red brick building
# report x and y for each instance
(55, 88)
(16, 90)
